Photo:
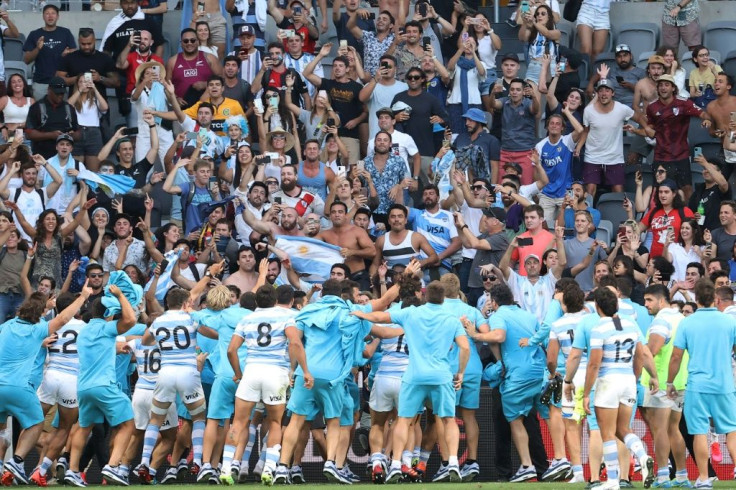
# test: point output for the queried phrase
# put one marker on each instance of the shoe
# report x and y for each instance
(347, 473)
(662, 484)
(454, 471)
(647, 471)
(61, 466)
(225, 479)
(412, 475)
(267, 477)
(625, 484)
(204, 473)
(38, 478)
(558, 390)
(469, 471)
(74, 479)
(703, 484)
(548, 391)
(281, 475)
(610, 485)
(297, 476)
(441, 474)
(333, 474)
(215, 480)
(235, 470)
(182, 468)
(576, 479)
(594, 484)
(17, 471)
(378, 476)
(715, 452)
(421, 468)
(682, 484)
(394, 475)
(144, 474)
(258, 469)
(557, 470)
(242, 474)
(113, 476)
(524, 474)
(195, 469)
(169, 476)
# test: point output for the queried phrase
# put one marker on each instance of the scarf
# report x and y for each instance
(67, 181)
(157, 99)
(465, 65)
(118, 21)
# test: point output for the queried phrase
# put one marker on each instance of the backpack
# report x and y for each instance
(18, 190)
(195, 272)
(45, 115)
(189, 199)
(472, 157)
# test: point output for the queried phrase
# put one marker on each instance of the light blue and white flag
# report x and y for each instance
(310, 257)
(164, 281)
(109, 184)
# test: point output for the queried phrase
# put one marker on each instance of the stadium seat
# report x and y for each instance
(18, 67)
(720, 36)
(640, 36)
(611, 207)
(643, 58)
(567, 34)
(687, 60)
(608, 58)
(604, 232)
(13, 49)
(729, 63)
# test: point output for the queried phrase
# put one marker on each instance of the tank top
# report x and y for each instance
(15, 114)
(188, 72)
(399, 254)
(316, 185)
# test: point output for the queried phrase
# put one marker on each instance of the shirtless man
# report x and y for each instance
(209, 11)
(270, 227)
(400, 245)
(720, 111)
(355, 244)
(645, 92)
(246, 276)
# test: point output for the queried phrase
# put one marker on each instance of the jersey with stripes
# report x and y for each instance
(63, 354)
(619, 344)
(395, 356)
(176, 335)
(147, 363)
(563, 330)
(264, 332)
(401, 253)
(438, 228)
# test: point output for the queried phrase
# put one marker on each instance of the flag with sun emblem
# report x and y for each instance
(311, 258)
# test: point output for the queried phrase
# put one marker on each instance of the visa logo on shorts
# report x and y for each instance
(191, 397)
(277, 398)
(68, 401)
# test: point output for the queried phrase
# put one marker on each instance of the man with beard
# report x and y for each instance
(475, 123)
(273, 75)
(236, 88)
(389, 175)
(625, 70)
(192, 193)
(246, 276)
(400, 245)
(402, 144)
(380, 91)
(256, 204)
(355, 244)
(298, 59)
(45, 124)
(295, 196)
(375, 44)
(720, 111)
(30, 200)
(190, 69)
(121, 28)
(87, 59)
(136, 52)
(645, 92)
(68, 168)
(268, 228)
(315, 175)
(248, 54)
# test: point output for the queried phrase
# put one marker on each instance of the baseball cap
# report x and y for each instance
(603, 82)
(667, 78)
(513, 165)
(65, 137)
(57, 85)
(532, 256)
(623, 48)
(498, 213)
(246, 31)
(477, 115)
(385, 110)
(655, 59)
(669, 183)
(510, 56)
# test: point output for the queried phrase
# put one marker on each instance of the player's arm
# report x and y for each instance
(297, 353)
(572, 364)
(497, 335)
(68, 313)
(595, 356)
(643, 358)
(148, 338)
(374, 316)
(127, 316)
(208, 332)
(655, 343)
(371, 348)
(232, 355)
(674, 367)
(386, 332)
(464, 346)
(553, 349)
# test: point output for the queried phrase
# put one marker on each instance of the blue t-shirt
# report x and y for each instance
(431, 330)
(201, 195)
(557, 162)
(48, 59)
(460, 308)
(20, 341)
(96, 347)
(522, 363)
(709, 337)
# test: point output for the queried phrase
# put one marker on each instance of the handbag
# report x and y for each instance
(570, 12)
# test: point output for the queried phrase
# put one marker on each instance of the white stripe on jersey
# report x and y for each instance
(264, 332)
(619, 346)
(147, 363)
(563, 329)
(395, 356)
(63, 355)
(176, 335)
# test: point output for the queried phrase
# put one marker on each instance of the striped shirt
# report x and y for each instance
(401, 253)
(299, 64)
(438, 228)
(395, 356)
(148, 364)
(264, 332)
(176, 334)
(535, 298)
(619, 345)
(63, 354)
(563, 330)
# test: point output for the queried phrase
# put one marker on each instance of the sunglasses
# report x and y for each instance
(478, 187)
(272, 182)
(413, 77)
(95, 275)
(189, 40)
(661, 171)
(279, 137)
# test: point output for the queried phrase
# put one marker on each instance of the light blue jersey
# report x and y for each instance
(20, 341)
(431, 330)
(63, 355)
(460, 308)
(148, 364)
(520, 362)
(618, 344)
(96, 346)
(709, 337)
(176, 334)
(563, 330)
(439, 229)
(264, 332)
(395, 357)
(224, 322)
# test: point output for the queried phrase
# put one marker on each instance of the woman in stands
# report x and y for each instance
(468, 73)
(539, 31)
(684, 248)
(672, 67)
(575, 101)
(489, 44)
(14, 106)
(205, 38)
(629, 245)
(644, 200)
(90, 106)
(315, 121)
(704, 74)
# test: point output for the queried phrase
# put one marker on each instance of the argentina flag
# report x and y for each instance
(164, 280)
(311, 258)
(109, 184)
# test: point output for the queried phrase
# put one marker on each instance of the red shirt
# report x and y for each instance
(309, 43)
(542, 241)
(658, 221)
(671, 123)
(134, 61)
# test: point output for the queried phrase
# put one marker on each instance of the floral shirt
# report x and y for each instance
(406, 60)
(393, 173)
(373, 49)
(684, 17)
(136, 255)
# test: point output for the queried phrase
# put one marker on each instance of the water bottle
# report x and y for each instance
(701, 212)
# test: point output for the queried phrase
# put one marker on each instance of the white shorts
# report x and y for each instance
(172, 380)
(262, 382)
(579, 382)
(613, 390)
(58, 387)
(385, 394)
(142, 402)
(594, 18)
(661, 400)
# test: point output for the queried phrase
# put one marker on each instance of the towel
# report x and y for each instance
(119, 20)
(132, 292)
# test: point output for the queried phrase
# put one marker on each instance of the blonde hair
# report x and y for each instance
(218, 298)
(451, 283)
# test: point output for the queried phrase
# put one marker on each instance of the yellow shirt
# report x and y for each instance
(706, 78)
(228, 108)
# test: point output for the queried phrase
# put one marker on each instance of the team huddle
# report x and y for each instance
(294, 372)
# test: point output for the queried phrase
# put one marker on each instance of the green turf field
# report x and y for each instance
(430, 486)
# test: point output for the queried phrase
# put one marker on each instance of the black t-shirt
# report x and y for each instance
(711, 199)
(76, 63)
(344, 96)
(60, 118)
(133, 204)
(277, 81)
(423, 106)
(121, 36)
(240, 92)
(48, 59)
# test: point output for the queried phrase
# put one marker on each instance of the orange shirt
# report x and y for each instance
(542, 241)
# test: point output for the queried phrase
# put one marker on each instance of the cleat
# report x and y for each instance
(594, 484)
(17, 471)
(558, 390)
(204, 473)
(625, 484)
(113, 476)
(74, 479)
(235, 471)
(454, 471)
(258, 469)
(576, 479)
(378, 476)
(182, 469)
(332, 473)
(662, 484)
(715, 452)
(7, 479)
(394, 475)
(347, 473)
(297, 477)
(469, 471)
(243, 474)
(557, 471)
(195, 469)
(647, 471)
(281, 475)
(682, 484)
(703, 484)
(412, 475)
(61, 467)
(524, 474)
(267, 477)
(144, 474)
(226, 479)
(38, 478)
(548, 391)
(441, 474)
(169, 476)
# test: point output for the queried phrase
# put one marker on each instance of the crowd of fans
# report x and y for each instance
(410, 143)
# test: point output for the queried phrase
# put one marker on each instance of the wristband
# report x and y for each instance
(464, 226)
(567, 382)
(151, 126)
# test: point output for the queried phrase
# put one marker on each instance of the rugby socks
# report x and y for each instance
(406, 458)
(424, 456)
(149, 440)
(610, 456)
(197, 440)
(272, 457)
(124, 469)
(633, 444)
(681, 475)
(395, 463)
(663, 475)
(244, 463)
(227, 458)
(577, 470)
(45, 465)
(452, 461)
(416, 453)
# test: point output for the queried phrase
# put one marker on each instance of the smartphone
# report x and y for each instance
(446, 143)
(213, 184)
(360, 164)
(622, 232)
(266, 159)
(273, 155)
(137, 34)
(287, 33)
(733, 117)
(297, 9)
(562, 64)
(208, 240)
(342, 171)
(525, 242)
(200, 6)
(426, 40)
(163, 265)
(343, 43)
(619, 79)
(130, 131)
(524, 7)
(259, 104)
(88, 77)
(422, 8)
(330, 122)
(571, 194)
(395, 148)
(277, 199)
(465, 37)
(697, 152)
(192, 135)
(273, 102)
(371, 15)
(569, 232)
(387, 66)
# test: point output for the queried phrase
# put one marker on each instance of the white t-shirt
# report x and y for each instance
(407, 147)
(381, 97)
(472, 217)
(209, 145)
(534, 298)
(487, 53)
(455, 96)
(605, 143)
(29, 203)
